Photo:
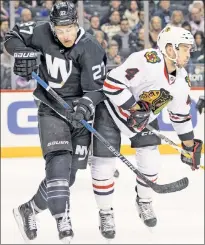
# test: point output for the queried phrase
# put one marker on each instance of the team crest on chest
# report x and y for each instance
(187, 79)
(157, 98)
(150, 96)
(152, 57)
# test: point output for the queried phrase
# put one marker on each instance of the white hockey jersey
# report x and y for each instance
(144, 76)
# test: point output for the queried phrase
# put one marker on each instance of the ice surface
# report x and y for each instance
(180, 215)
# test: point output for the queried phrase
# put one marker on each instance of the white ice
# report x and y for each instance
(180, 215)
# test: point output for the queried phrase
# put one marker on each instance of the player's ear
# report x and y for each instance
(169, 50)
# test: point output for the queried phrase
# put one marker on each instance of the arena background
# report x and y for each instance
(121, 27)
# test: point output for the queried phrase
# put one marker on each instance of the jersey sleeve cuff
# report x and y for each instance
(186, 136)
(129, 103)
(95, 96)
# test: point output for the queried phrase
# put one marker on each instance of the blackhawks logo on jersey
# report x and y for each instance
(152, 57)
(157, 98)
(167, 29)
(187, 79)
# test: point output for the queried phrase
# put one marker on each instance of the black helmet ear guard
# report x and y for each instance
(64, 13)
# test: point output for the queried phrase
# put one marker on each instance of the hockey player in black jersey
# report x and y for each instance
(73, 64)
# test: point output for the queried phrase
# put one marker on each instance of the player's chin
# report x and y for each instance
(68, 44)
(182, 65)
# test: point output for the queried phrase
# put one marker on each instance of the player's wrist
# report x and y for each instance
(140, 106)
(189, 144)
(134, 108)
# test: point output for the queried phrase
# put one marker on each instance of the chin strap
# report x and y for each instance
(174, 60)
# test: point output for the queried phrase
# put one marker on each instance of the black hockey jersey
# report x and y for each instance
(69, 71)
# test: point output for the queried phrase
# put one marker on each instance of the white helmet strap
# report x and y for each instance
(175, 51)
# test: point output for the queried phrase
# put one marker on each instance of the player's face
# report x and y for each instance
(183, 54)
(66, 34)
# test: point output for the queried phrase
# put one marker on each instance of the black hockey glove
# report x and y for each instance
(84, 110)
(139, 118)
(25, 62)
(195, 151)
(200, 106)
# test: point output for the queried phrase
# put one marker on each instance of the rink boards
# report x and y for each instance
(19, 129)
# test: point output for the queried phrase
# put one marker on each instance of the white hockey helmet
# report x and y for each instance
(175, 36)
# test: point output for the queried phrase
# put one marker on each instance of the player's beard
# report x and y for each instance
(181, 64)
(184, 64)
(68, 44)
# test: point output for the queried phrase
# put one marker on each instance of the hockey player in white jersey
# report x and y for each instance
(137, 91)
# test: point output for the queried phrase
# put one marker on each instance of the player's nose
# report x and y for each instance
(66, 38)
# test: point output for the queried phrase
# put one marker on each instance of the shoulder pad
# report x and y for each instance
(87, 40)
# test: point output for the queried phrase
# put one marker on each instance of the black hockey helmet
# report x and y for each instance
(64, 13)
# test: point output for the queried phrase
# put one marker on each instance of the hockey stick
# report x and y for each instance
(166, 188)
(170, 142)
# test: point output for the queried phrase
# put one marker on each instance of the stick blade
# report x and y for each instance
(171, 187)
